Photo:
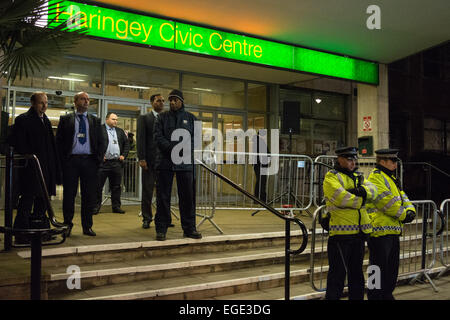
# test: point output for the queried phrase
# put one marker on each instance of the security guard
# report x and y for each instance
(346, 193)
(390, 210)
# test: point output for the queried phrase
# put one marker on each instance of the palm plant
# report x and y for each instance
(26, 46)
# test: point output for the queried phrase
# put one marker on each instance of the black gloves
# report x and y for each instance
(410, 216)
(359, 192)
(325, 221)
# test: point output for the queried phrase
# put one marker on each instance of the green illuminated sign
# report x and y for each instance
(124, 26)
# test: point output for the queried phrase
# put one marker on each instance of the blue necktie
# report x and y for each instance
(82, 130)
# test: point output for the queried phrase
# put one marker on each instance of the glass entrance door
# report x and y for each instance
(128, 114)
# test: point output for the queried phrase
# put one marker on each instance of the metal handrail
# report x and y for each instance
(430, 165)
(287, 220)
(35, 234)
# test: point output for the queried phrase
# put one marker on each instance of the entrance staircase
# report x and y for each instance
(227, 267)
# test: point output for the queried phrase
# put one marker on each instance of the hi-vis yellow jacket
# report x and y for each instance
(347, 214)
(390, 207)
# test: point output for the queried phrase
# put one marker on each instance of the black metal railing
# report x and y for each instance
(426, 189)
(35, 235)
(288, 220)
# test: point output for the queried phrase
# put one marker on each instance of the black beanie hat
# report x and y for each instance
(176, 93)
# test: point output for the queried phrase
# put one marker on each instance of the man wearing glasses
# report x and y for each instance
(346, 193)
(390, 210)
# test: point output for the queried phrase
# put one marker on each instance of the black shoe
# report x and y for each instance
(89, 232)
(118, 210)
(171, 225)
(146, 224)
(193, 235)
(160, 236)
(69, 231)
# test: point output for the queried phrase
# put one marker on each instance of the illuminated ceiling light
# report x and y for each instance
(203, 89)
(133, 87)
(77, 74)
(318, 100)
(64, 78)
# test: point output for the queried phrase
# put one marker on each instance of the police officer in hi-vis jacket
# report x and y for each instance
(390, 210)
(346, 193)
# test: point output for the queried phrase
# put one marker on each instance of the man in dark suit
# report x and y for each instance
(146, 151)
(116, 150)
(168, 166)
(81, 149)
(32, 134)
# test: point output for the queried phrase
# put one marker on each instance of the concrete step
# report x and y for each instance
(154, 270)
(84, 255)
(202, 285)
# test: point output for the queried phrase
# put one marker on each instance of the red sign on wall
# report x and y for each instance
(367, 123)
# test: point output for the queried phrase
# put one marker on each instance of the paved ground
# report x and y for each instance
(117, 228)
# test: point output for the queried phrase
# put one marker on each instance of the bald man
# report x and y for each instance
(81, 147)
(33, 134)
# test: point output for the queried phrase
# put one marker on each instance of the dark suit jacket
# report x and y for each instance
(146, 144)
(66, 132)
(122, 138)
(32, 136)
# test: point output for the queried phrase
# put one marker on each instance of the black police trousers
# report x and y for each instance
(345, 257)
(384, 253)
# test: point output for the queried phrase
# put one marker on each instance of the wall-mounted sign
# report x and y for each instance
(367, 123)
(145, 30)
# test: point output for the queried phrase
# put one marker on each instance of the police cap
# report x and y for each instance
(347, 152)
(390, 154)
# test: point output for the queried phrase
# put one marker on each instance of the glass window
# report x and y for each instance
(138, 83)
(66, 74)
(328, 106)
(317, 137)
(257, 97)
(213, 92)
(229, 122)
(256, 121)
(431, 123)
(432, 140)
(302, 97)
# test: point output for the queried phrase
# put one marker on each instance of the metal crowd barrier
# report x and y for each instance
(444, 243)
(131, 182)
(319, 255)
(416, 256)
(206, 196)
(287, 188)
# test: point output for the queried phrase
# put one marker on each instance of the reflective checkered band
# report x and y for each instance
(387, 228)
(371, 210)
(349, 228)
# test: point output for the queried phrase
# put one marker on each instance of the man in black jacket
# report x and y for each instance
(116, 150)
(166, 124)
(146, 152)
(32, 134)
(81, 149)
